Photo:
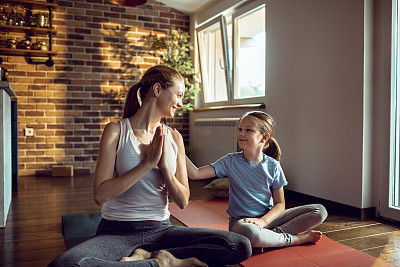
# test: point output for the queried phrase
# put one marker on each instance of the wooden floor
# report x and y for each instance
(33, 235)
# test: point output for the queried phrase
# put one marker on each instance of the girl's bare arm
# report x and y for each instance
(276, 211)
(278, 208)
(199, 173)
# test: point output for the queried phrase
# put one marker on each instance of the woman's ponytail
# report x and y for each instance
(131, 102)
(273, 149)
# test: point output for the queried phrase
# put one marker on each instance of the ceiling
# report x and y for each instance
(188, 6)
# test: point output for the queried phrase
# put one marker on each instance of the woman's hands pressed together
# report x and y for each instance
(155, 150)
(162, 163)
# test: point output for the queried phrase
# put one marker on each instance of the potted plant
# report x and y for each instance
(175, 50)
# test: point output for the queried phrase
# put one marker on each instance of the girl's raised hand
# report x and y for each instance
(155, 148)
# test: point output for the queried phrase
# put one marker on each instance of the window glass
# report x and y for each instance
(249, 54)
(213, 63)
(230, 44)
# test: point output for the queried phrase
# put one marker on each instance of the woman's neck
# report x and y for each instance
(146, 118)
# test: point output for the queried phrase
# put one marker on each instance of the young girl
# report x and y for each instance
(141, 165)
(256, 198)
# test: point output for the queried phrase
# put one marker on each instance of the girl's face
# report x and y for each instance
(249, 135)
(171, 98)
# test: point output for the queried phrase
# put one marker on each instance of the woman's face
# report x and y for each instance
(249, 135)
(171, 98)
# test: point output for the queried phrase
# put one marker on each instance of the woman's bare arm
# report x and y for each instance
(105, 187)
(178, 185)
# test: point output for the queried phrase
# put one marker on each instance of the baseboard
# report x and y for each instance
(363, 214)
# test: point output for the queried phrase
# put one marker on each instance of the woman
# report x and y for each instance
(141, 165)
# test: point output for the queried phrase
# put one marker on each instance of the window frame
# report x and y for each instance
(243, 11)
(224, 39)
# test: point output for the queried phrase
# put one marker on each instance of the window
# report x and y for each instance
(249, 53)
(214, 61)
(232, 57)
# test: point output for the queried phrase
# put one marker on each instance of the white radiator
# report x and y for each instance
(213, 138)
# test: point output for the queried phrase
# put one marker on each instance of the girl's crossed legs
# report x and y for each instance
(284, 231)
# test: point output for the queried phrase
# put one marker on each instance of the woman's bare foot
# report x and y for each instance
(138, 254)
(164, 258)
(309, 237)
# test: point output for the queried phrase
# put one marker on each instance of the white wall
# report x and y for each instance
(315, 92)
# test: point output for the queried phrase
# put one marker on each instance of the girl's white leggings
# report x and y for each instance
(280, 232)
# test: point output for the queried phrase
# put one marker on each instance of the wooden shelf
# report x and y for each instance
(31, 31)
(26, 52)
(35, 30)
(32, 4)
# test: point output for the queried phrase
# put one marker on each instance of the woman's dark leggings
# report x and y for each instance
(117, 239)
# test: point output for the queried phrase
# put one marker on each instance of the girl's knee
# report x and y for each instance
(321, 212)
(251, 232)
(252, 237)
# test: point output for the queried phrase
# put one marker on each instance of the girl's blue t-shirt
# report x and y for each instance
(250, 184)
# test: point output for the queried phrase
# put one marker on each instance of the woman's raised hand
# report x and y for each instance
(155, 149)
(163, 161)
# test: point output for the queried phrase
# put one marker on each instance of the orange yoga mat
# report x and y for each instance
(327, 253)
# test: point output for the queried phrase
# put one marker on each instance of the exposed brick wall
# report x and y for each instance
(102, 50)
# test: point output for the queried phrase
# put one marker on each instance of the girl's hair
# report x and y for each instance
(161, 74)
(266, 124)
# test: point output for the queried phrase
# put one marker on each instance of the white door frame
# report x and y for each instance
(390, 150)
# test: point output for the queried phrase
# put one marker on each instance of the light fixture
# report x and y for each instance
(131, 3)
